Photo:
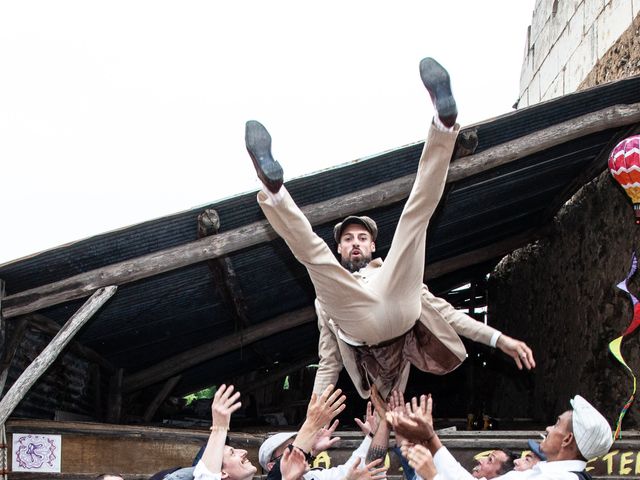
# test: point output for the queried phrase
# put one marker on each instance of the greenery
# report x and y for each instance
(205, 393)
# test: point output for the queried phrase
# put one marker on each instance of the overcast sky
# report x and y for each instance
(113, 113)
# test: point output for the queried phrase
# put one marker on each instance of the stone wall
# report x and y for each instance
(566, 39)
(559, 296)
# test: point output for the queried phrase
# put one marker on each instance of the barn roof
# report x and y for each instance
(214, 308)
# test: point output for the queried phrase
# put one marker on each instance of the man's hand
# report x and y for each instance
(293, 464)
(368, 472)
(322, 409)
(422, 409)
(517, 350)
(414, 428)
(225, 402)
(323, 439)
(379, 404)
(420, 459)
(370, 424)
(396, 405)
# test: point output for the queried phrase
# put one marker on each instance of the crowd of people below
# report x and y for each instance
(578, 435)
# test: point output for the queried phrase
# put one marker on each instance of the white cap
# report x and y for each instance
(591, 429)
(270, 445)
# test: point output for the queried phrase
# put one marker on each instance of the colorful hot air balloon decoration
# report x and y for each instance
(624, 165)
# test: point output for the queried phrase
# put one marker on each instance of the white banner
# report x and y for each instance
(36, 453)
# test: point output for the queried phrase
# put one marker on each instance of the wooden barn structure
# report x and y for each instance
(108, 329)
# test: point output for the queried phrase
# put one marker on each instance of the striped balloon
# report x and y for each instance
(624, 165)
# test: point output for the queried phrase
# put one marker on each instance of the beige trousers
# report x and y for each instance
(387, 303)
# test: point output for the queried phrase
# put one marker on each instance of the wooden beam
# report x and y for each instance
(504, 247)
(10, 351)
(185, 360)
(387, 193)
(46, 325)
(597, 166)
(114, 404)
(164, 392)
(224, 276)
(43, 361)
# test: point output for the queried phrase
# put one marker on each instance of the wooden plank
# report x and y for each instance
(164, 392)
(185, 360)
(51, 351)
(47, 325)
(387, 193)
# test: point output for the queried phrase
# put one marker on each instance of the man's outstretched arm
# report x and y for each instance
(467, 327)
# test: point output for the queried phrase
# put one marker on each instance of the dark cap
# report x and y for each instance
(535, 448)
(366, 222)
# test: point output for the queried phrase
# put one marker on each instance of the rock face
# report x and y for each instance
(560, 296)
(621, 61)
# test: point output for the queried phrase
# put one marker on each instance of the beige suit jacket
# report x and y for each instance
(443, 353)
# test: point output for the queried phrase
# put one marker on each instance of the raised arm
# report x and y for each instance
(467, 327)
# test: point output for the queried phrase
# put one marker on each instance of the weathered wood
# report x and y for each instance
(46, 325)
(51, 351)
(381, 195)
(10, 351)
(164, 392)
(225, 278)
(3, 325)
(114, 404)
(96, 388)
(185, 360)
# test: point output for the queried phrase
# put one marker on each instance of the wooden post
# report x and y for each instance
(164, 392)
(114, 406)
(2, 322)
(10, 351)
(43, 361)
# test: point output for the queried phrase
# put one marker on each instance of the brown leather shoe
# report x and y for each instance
(438, 84)
(258, 142)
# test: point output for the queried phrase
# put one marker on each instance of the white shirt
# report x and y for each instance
(339, 472)
(334, 473)
(450, 469)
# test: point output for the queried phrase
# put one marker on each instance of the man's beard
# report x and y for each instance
(355, 265)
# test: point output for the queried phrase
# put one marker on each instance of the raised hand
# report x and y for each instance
(414, 428)
(225, 402)
(322, 409)
(378, 402)
(370, 471)
(370, 424)
(293, 464)
(420, 459)
(518, 350)
(396, 405)
(323, 439)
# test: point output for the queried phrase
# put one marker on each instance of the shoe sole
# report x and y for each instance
(258, 143)
(436, 79)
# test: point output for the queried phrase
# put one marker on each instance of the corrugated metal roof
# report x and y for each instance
(152, 319)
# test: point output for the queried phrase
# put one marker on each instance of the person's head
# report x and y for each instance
(273, 448)
(356, 237)
(526, 461)
(578, 434)
(497, 463)
(236, 464)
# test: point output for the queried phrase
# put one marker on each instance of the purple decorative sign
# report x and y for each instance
(36, 453)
